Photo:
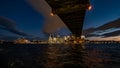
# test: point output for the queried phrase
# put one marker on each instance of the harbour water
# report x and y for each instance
(60, 56)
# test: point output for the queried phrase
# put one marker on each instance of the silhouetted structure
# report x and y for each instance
(72, 12)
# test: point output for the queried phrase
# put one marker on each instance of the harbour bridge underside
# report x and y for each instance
(72, 12)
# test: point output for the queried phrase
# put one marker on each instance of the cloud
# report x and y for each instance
(102, 32)
(7, 37)
(9, 25)
(100, 38)
(52, 23)
(106, 30)
(115, 33)
(112, 24)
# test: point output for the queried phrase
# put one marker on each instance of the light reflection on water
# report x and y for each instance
(65, 57)
(103, 55)
(60, 56)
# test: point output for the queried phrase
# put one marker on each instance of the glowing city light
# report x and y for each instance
(51, 14)
(90, 7)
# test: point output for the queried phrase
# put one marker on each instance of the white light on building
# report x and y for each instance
(82, 36)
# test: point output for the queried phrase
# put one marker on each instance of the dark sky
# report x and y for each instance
(26, 18)
(31, 21)
(103, 11)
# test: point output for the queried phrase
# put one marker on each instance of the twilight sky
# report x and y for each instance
(29, 16)
(103, 12)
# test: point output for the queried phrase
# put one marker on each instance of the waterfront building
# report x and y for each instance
(21, 41)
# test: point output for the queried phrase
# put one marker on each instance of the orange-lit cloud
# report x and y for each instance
(114, 38)
(52, 22)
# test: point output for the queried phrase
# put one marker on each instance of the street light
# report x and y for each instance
(90, 7)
